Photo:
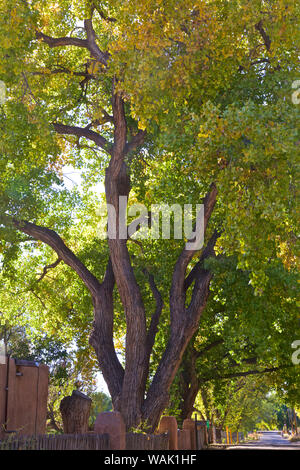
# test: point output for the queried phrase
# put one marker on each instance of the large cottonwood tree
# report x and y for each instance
(106, 85)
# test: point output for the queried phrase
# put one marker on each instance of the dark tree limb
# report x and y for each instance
(83, 132)
(177, 292)
(264, 35)
(207, 252)
(89, 43)
(104, 16)
(61, 42)
(153, 327)
(52, 239)
(66, 71)
(208, 347)
(184, 323)
(120, 135)
(92, 46)
(46, 269)
(102, 294)
(101, 337)
(242, 374)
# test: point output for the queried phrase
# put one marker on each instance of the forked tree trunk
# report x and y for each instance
(127, 384)
(75, 412)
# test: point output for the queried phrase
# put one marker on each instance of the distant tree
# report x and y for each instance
(100, 402)
(243, 404)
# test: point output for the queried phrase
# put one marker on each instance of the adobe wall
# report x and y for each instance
(23, 408)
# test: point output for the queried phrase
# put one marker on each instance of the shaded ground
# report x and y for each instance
(269, 440)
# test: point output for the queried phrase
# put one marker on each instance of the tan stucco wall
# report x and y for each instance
(2, 395)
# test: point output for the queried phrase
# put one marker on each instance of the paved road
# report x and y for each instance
(269, 440)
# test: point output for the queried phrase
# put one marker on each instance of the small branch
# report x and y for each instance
(63, 70)
(38, 297)
(136, 141)
(260, 61)
(104, 16)
(243, 374)
(46, 269)
(209, 347)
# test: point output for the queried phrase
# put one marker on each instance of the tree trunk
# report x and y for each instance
(75, 412)
(189, 383)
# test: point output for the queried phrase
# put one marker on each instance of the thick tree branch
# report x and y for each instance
(102, 294)
(61, 42)
(184, 323)
(52, 239)
(83, 132)
(46, 269)
(120, 134)
(89, 43)
(177, 292)
(92, 46)
(136, 141)
(207, 252)
(264, 35)
(101, 337)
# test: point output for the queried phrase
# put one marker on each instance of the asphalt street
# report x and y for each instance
(269, 440)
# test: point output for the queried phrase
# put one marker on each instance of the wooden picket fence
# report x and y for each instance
(57, 442)
(89, 441)
(135, 441)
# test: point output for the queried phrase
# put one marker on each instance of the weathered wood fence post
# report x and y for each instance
(189, 424)
(169, 424)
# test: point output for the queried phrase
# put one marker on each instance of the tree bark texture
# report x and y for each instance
(75, 412)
